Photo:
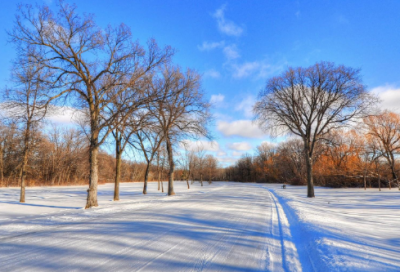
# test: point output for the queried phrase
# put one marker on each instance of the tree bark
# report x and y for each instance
(24, 163)
(201, 179)
(171, 167)
(309, 166)
(146, 177)
(93, 176)
(118, 153)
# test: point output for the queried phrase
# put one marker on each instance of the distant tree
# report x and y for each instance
(148, 140)
(311, 102)
(385, 130)
(181, 111)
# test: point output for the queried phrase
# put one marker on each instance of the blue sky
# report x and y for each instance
(238, 45)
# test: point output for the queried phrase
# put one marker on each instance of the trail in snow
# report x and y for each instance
(343, 229)
(218, 227)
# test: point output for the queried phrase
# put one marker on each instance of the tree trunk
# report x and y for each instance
(1, 164)
(24, 163)
(93, 175)
(310, 182)
(379, 182)
(171, 167)
(365, 181)
(201, 179)
(146, 177)
(118, 153)
(392, 168)
(162, 187)
(187, 179)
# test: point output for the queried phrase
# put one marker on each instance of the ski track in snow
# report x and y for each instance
(218, 227)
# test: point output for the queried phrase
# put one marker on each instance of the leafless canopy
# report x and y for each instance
(310, 102)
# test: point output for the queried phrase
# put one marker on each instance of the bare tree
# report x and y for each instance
(92, 64)
(27, 104)
(148, 140)
(181, 111)
(310, 102)
(385, 131)
(211, 166)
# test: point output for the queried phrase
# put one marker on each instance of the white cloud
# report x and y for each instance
(221, 153)
(226, 26)
(236, 153)
(245, 69)
(390, 97)
(65, 115)
(231, 52)
(217, 98)
(206, 145)
(259, 69)
(207, 46)
(246, 106)
(243, 128)
(227, 160)
(240, 146)
(212, 73)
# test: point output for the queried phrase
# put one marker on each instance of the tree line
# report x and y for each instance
(346, 158)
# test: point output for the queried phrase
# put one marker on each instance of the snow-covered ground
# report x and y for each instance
(218, 227)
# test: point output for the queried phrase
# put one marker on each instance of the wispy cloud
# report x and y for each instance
(207, 46)
(258, 69)
(240, 146)
(217, 98)
(226, 26)
(231, 52)
(243, 128)
(212, 73)
(246, 106)
(206, 145)
(236, 153)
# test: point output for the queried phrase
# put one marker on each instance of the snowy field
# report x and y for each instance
(218, 227)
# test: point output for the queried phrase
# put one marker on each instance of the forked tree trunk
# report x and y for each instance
(171, 168)
(118, 159)
(146, 177)
(93, 176)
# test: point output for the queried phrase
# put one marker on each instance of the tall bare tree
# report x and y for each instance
(27, 104)
(91, 64)
(181, 111)
(310, 102)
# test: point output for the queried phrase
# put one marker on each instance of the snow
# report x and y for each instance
(218, 227)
